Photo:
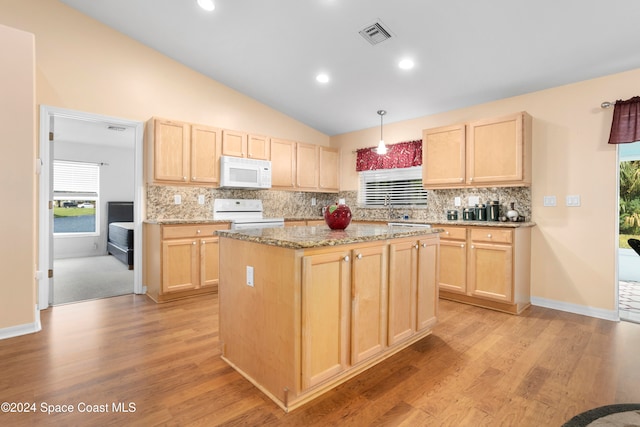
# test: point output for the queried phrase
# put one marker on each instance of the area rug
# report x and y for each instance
(620, 415)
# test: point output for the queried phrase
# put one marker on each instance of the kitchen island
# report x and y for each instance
(303, 309)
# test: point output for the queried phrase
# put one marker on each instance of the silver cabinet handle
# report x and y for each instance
(473, 246)
(488, 236)
(193, 178)
(346, 258)
(193, 243)
(359, 256)
(462, 245)
(184, 178)
(416, 246)
(198, 231)
(424, 245)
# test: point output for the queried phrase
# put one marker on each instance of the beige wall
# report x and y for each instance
(17, 181)
(574, 248)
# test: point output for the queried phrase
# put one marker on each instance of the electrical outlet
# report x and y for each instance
(341, 201)
(573, 201)
(457, 201)
(201, 199)
(249, 276)
(313, 201)
(177, 199)
(549, 201)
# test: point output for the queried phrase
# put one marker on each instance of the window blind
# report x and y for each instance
(75, 179)
(398, 187)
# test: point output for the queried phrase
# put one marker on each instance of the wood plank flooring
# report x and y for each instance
(161, 362)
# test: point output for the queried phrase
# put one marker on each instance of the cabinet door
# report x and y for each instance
(369, 302)
(179, 265)
(402, 290)
(491, 271)
(427, 286)
(209, 261)
(453, 265)
(283, 163)
(170, 151)
(443, 156)
(495, 150)
(329, 169)
(204, 154)
(307, 166)
(234, 143)
(325, 316)
(258, 147)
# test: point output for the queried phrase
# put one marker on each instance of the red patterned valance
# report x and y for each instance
(400, 155)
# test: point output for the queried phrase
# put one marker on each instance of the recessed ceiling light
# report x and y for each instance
(206, 5)
(322, 78)
(406, 64)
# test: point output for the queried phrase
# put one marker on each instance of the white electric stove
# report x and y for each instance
(243, 214)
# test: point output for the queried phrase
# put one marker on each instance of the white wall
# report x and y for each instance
(116, 184)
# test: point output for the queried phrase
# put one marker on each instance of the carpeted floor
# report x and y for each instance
(80, 279)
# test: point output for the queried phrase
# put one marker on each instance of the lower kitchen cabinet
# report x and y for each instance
(486, 266)
(181, 260)
(316, 317)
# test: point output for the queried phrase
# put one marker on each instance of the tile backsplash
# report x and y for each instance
(297, 204)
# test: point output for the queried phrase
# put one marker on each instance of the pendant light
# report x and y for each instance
(382, 149)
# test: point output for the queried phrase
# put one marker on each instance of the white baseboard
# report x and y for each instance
(576, 309)
(27, 328)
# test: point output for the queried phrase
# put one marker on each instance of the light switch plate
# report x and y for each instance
(177, 199)
(341, 201)
(201, 199)
(457, 201)
(249, 276)
(550, 201)
(313, 201)
(573, 200)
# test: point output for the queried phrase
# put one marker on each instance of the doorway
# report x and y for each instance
(629, 228)
(85, 141)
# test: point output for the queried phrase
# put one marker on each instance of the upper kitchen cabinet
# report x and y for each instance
(329, 169)
(181, 153)
(283, 163)
(443, 156)
(307, 170)
(240, 144)
(485, 153)
(304, 167)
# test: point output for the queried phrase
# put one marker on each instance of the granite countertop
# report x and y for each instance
(321, 235)
(507, 224)
(185, 221)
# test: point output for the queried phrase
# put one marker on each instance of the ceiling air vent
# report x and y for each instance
(375, 33)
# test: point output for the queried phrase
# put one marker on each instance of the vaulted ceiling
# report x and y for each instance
(465, 52)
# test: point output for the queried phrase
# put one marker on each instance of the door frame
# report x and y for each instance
(47, 113)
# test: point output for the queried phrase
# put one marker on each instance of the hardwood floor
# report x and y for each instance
(479, 367)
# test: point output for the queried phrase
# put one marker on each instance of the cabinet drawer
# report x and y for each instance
(454, 233)
(191, 230)
(489, 234)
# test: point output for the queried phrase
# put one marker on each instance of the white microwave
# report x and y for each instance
(238, 172)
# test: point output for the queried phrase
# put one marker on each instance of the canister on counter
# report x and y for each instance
(481, 212)
(452, 215)
(494, 210)
(468, 214)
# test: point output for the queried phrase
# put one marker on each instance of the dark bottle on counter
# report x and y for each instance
(494, 210)
(468, 214)
(481, 212)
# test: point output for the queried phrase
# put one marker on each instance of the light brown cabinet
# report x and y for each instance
(486, 266)
(325, 313)
(304, 167)
(181, 153)
(241, 144)
(491, 152)
(329, 169)
(180, 260)
(413, 287)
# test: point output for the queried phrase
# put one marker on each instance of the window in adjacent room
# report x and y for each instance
(397, 187)
(76, 199)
